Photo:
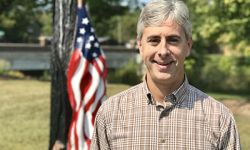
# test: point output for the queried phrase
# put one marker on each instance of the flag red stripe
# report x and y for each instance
(73, 65)
(86, 83)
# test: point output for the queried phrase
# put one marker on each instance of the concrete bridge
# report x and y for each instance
(28, 57)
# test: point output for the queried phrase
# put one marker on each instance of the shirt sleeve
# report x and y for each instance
(100, 136)
(229, 139)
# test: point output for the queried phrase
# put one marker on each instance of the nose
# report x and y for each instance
(163, 49)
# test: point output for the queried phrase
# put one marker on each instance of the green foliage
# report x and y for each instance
(189, 68)
(46, 76)
(46, 23)
(20, 20)
(221, 23)
(124, 27)
(128, 74)
(101, 12)
(221, 73)
(216, 24)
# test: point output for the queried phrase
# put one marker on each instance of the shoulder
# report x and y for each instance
(209, 104)
(217, 116)
(219, 120)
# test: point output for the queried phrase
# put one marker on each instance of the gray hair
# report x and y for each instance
(158, 11)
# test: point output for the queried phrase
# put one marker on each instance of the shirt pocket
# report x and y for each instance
(121, 137)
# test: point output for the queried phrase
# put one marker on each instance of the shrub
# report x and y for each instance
(128, 74)
(226, 73)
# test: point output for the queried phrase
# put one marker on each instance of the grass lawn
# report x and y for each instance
(24, 115)
(223, 96)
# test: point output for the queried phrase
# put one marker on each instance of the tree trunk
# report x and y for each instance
(63, 27)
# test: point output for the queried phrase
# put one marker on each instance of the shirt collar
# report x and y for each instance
(175, 97)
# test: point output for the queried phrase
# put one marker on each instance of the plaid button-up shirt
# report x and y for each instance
(132, 120)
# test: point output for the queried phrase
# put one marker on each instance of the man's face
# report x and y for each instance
(163, 50)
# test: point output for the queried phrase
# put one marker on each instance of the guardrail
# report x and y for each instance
(27, 57)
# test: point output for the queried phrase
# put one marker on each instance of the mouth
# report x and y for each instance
(164, 65)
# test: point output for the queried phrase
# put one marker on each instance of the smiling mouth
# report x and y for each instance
(164, 63)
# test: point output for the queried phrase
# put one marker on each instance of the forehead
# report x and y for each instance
(168, 27)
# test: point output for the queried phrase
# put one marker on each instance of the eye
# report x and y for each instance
(154, 41)
(174, 40)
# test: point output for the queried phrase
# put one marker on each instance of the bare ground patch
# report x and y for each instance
(238, 107)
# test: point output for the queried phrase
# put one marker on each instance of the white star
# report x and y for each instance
(91, 38)
(79, 40)
(96, 44)
(82, 31)
(94, 54)
(92, 30)
(88, 46)
(85, 21)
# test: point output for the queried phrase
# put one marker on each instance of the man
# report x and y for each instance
(165, 111)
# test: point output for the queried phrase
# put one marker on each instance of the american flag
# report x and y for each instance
(86, 83)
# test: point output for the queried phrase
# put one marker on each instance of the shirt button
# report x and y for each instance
(162, 140)
(159, 108)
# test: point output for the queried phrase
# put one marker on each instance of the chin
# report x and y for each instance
(164, 77)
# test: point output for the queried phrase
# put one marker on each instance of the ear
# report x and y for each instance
(189, 46)
(139, 44)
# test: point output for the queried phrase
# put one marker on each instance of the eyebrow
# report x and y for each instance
(153, 37)
(167, 37)
(174, 36)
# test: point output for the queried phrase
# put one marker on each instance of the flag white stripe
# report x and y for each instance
(76, 81)
(100, 64)
(88, 130)
(100, 91)
(79, 127)
(72, 137)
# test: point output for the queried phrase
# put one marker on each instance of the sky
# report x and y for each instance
(144, 0)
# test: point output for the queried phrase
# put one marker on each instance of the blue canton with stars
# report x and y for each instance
(86, 40)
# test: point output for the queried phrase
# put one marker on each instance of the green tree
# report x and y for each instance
(102, 11)
(124, 27)
(46, 23)
(24, 21)
(20, 19)
(217, 25)
(220, 24)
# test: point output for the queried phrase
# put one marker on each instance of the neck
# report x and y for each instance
(161, 89)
